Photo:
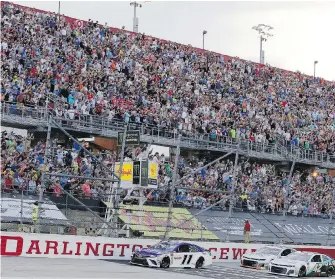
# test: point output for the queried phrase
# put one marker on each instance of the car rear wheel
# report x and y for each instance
(199, 263)
(330, 271)
(165, 263)
(302, 272)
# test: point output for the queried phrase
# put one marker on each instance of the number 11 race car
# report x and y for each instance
(301, 264)
(172, 254)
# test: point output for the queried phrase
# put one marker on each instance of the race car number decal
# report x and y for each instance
(187, 259)
(317, 267)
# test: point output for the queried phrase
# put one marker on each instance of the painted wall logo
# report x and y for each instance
(80, 247)
(153, 220)
(59, 246)
(18, 246)
(232, 226)
(293, 229)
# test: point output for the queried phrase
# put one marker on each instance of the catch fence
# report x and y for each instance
(73, 213)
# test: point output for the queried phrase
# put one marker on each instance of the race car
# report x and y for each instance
(301, 264)
(172, 254)
(262, 257)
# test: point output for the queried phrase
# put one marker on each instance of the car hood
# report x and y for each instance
(149, 252)
(259, 256)
(287, 262)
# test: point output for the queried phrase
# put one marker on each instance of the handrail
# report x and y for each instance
(109, 127)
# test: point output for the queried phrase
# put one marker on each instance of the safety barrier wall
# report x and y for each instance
(85, 247)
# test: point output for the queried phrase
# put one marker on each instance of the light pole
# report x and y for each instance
(315, 62)
(263, 31)
(203, 38)
(135, 19)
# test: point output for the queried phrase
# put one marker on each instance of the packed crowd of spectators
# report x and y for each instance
(91, 69)
(94, 70)
(258, 187)
(261, 188)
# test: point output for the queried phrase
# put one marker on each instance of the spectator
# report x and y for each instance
(246, 231)
(81, 72)
(35, 216)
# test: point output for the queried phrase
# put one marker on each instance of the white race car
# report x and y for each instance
(262, 257)
(172, 254)
(301, 264)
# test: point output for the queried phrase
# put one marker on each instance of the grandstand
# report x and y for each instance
(92, 81)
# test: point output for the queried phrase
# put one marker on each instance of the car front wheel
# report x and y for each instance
(165, 263)
(302, 272)
(199, 263)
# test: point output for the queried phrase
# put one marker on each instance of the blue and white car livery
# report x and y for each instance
(172, 254)
(301, 264)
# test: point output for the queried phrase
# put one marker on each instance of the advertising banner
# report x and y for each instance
(153, 174)
(12, 210)
(136, 172)
(132, 138)
(85, 247)
(144, 173)
(126, 175)
(154, 222)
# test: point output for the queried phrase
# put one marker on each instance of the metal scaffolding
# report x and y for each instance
(169, 228)
(50, 174)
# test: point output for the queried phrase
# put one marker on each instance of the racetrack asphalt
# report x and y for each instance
(38, 268)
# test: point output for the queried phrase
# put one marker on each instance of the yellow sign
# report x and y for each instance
(154, 222)
(127, 171)
(153, 173)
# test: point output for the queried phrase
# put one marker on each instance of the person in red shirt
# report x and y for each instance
(246, 231)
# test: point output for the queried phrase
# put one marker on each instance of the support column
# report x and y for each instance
(174, 178)
(286, 205)
(118, 188)
(48, 146)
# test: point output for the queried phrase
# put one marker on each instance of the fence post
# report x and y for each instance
(48, 145)
(21, 212)
(174, 178)
(118, 188)
(66, 200)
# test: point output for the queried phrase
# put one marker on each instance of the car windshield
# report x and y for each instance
(164, 246)
(299, 257)
(269, 250)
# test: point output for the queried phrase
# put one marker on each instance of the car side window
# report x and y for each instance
(316, 259)
(194, 249)
(286, 252)
(325, 258)
(184, 248)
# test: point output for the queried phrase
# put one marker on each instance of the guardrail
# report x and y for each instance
(31, 116)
